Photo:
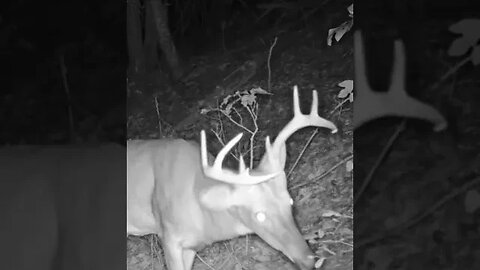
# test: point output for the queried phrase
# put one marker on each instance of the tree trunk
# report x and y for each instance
(134, 37)
(160, 17)
(151, 41)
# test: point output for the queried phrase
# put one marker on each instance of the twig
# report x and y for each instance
(331, 252)
(223, 144)
(63, 70)
(452, 71)
(268, 64)
(222, 132)
(239, 116)
(208, 265)
(158, 117)
(419, 218)
(235, 122)
(339, 105)
(154, 249)
(307, 144)
(231, 254)
(323, 174)
(253, 112)
(315, 132)
(336, 242)
(252, 136)
(379, 160)
(334, 167)
(441, 202)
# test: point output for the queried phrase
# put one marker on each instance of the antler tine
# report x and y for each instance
(314, 109)
(296, 102)
(370, 105)
(203, 149)
(300, 120)
(360, 68)
(397, 81)
(268, 149)
(217, 173)
(217, 165)
(241, 166)
(314, 119)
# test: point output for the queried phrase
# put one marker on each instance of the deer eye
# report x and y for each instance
(291, 201)
(260, 216)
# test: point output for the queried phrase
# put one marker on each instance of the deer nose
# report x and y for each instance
(306, 263)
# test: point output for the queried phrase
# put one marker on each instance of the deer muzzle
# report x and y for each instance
(303, 258)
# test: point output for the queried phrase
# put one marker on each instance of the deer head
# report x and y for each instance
(259, 198)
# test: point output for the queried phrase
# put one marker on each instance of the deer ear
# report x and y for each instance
(218, 197)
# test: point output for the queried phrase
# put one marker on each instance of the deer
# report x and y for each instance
(62, 207)
(174, 192)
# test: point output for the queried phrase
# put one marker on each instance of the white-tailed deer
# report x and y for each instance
(370, 105)
(172, 191)
(62, 207)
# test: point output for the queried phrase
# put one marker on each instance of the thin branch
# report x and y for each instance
(379, 160)
(239, 115)
(323, 174)
(217, 134)
(302, 152)
(406, 225)
(254, 120)
(63, 70)
(158, 117)
(307, 144)
(208, 265)
(268, 64)
(340, 105)
(236, 123)
(333, 168)
(452, 71)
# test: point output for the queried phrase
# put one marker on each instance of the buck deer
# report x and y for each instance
(173, 192)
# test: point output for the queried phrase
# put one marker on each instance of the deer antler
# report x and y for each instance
(370, 105)
(216, 172)
(298, 121)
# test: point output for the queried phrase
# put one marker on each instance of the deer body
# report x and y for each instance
(61, 207)
(174, 192)
(174, 174)
(172, 170)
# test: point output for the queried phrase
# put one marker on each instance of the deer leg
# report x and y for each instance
(188, 258)
(173, 255)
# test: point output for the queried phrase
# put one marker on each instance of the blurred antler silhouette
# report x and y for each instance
(369, 105)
